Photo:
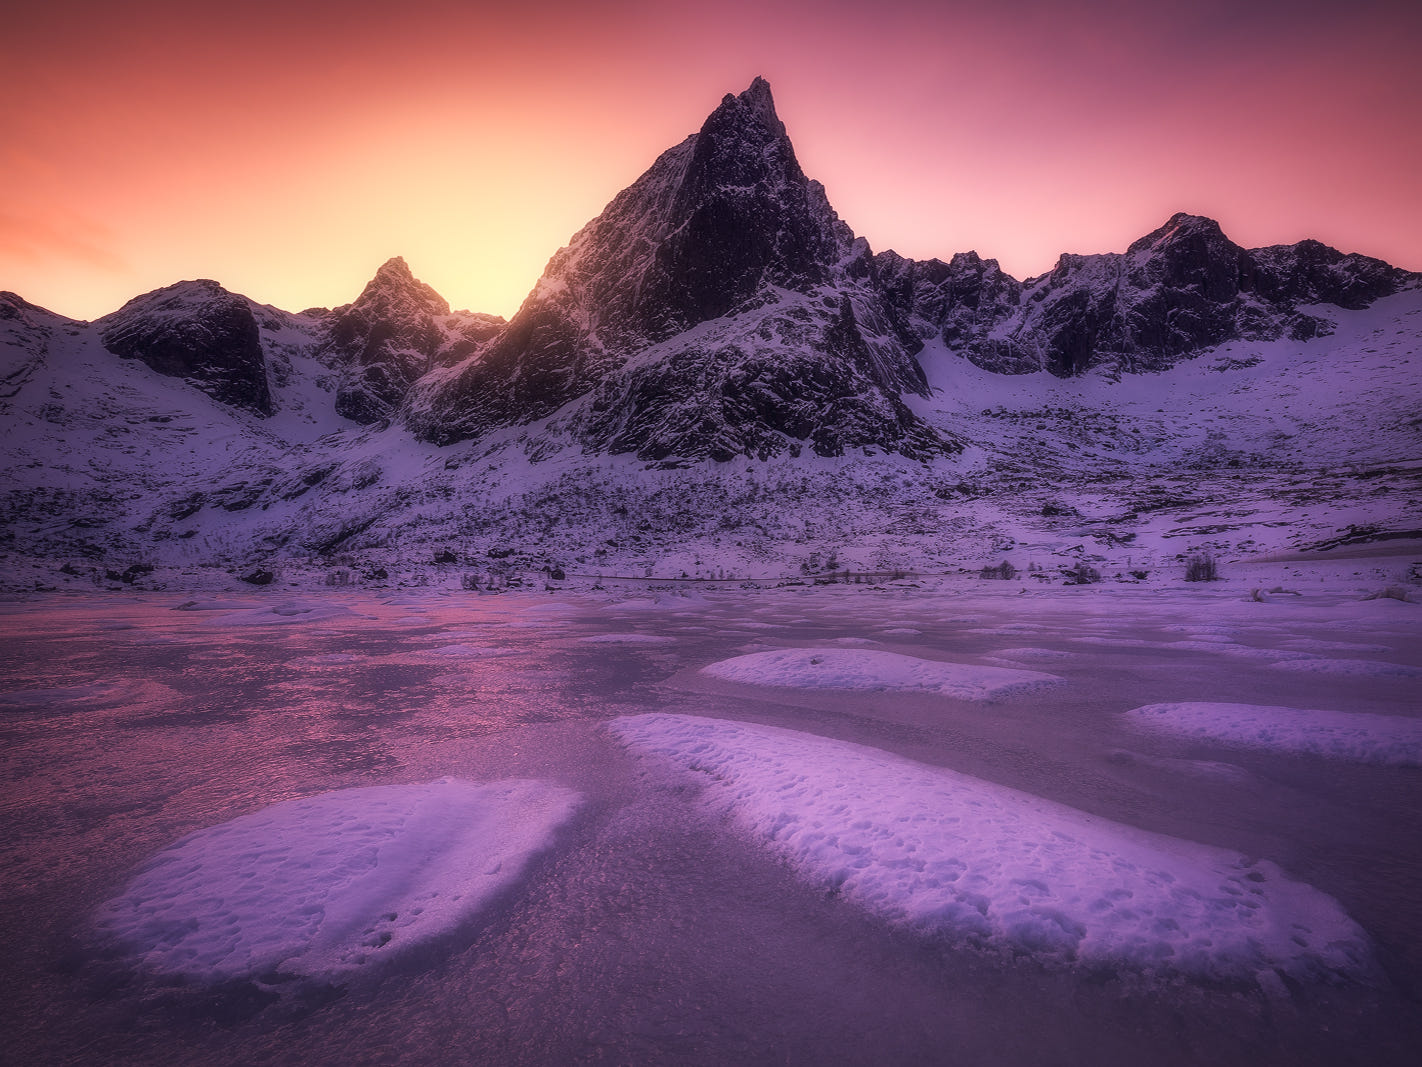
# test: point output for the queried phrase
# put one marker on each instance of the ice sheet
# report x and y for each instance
(855, 668)
(334, 883)
(1392, 739)
(943, 852)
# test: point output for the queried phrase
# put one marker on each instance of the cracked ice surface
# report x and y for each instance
(941, 851)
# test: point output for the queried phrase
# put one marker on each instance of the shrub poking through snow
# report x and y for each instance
(1004, 571)
(1082, 574)
(1201, 568)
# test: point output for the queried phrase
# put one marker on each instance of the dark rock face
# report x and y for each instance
(395, 330)
(716, 308)
(960, 301)
(1312, 273)
(1175, 292)
(197, 331)
(746, 217)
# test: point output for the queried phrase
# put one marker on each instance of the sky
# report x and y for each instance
(287, 149)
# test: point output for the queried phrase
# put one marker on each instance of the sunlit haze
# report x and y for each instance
(287, 150)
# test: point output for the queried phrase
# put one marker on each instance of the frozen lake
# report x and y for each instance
(649, 904)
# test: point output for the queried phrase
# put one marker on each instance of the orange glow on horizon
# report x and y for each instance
(287, 152)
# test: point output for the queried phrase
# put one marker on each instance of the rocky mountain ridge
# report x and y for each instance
(718, 307)
(1179, 290)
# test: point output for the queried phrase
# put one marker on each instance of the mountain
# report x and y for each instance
(1177, 291)
(395, 331)
(716, 308)
(716, 375)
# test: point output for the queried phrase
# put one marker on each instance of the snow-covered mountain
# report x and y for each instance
(717, 308)
(716, 375)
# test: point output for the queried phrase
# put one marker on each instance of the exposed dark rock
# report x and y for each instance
(129, 574)
(260, 576)
(199, 332)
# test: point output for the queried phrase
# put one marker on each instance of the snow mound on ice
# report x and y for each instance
(1032, 653)
(461, 650)
(854, 668)
(943, 852)
(1363, 668)
(334, 883)
(329, 659)
(627, 639)
(1347, 735)
(291, 611)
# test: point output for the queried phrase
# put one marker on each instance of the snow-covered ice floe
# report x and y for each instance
(286, 613)
(461, 651)
(331, 884)
(1391, 739)
(1359, 668)
(942, 852)
(855, 668)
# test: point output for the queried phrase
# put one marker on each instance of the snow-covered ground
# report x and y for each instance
(237, 825)
(1251, 452)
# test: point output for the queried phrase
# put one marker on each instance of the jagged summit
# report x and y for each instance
(395, 286)
(395, 331)
(1179, 228)
(758, 99)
